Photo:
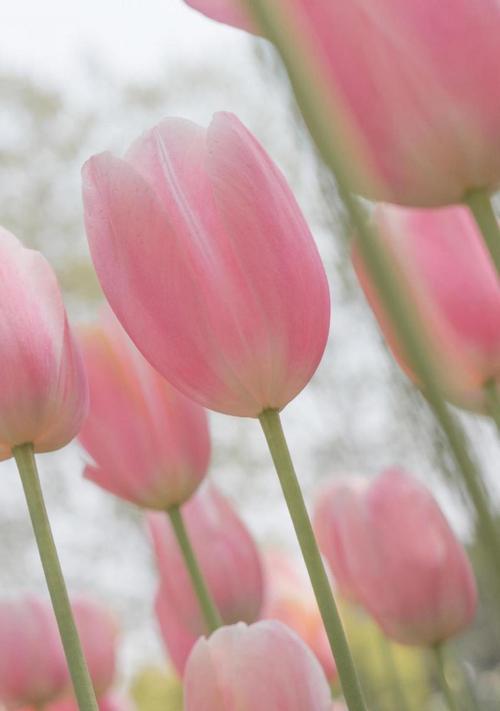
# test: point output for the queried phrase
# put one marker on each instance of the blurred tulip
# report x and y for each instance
(403, 561)
(264, 666)
(231, 12)
(98, 632)
(43, 392)
(228, 558)
(290, 599)
(453, 284)
(110, 702)
(206, 259)
(411, 88)
(150, 444)
(32, 666)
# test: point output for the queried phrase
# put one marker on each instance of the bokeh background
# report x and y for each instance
(80, 78)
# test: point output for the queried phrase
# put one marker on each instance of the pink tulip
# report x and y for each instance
(150, 444)
(110, 702)
(264, 666)
(98, 632)
(32, 665)
(231, 12)
(404, 562)
(43, 392)
(411, 87)
(205, 257)
(230, 563)
(290, 599)
(456, 292)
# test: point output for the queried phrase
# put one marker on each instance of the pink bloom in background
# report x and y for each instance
(43, 391)
(229, 560)
(453, 284)
(265, 666)
(150, 444)
(412, 88)
(98, 630)
(231, 12)
(32, 665)
(404, 563)
(206, 259)
(290, 599)
(110, 702)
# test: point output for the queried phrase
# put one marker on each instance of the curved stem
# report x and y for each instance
(493, 401)
(310, 94)
(77, 665)
(445, 687)
(271, 425)
(479, 203)
(208, 608)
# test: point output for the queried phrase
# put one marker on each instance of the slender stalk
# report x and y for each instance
(397, 689)
(208, 608)
(82, 684)
(445, 687)
(479, 203)
(271, 425)
(493, 401)
(310, 94)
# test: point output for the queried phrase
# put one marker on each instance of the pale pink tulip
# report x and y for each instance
(32, 666)
(110, 702)
(43, 391)
(206, 259)
(228, 558)
(454, 286)
(290, 599)
(404, 562)
(265, 666)
(231, 12)
(150, 444)
(411, 88)
(98, 631)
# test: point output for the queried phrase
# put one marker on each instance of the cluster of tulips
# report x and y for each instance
(221, 301)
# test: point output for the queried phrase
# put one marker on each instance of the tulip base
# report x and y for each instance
(445, 687)
(479, 203)
(82, 684)
(207, 605)
(273, 431)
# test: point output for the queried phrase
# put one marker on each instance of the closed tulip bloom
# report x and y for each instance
(32, 666)
(411, 87)
(406, 565)
(456, 293)
(264, 666)
(178, 636)
(227, 555)
(206, 259)
(290, 599)
(98, 632)
(149, 443)
(43, 391)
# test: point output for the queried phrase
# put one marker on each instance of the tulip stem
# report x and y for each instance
(82, 684)
(493, 401)
(273, 431)
(208, 607)
(479, 203)
(445, 687)
(393, 295)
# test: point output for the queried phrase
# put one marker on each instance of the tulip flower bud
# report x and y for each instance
(43, 391)
(207, 261)
(403, 561)
(440, 256)
(228, 558)
(411, 90)
(98, 631)
(150, 444)
(290, 599)
(32, 666)
(265, 666)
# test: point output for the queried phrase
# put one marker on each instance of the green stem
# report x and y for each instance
(271, 425)
(398, 692)
(82, 684)
(208, 608)
(493, 401)
(479, 203)
(445, 687)
(394, 297)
